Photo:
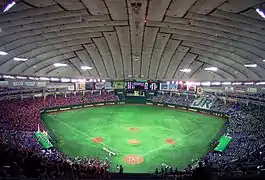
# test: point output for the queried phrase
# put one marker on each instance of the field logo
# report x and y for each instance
(133, 159)
(203, 103)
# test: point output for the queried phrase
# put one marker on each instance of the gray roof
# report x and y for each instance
(150, 39)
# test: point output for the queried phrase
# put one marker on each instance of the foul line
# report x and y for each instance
(88, 137)
(167, 145)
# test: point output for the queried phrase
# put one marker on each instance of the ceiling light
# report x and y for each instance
(65, 80)
(260, 12)
(226, 83)
(185, 70)
(55, 79)
(216, 83)
(8, 77)
(81, 80)
(237, 83)
(205, 83)
(249, 83)
(33, 78)
(260, 83)
(211, 69)
(74, 80)
(2, 53)
(197, 83)
(86, 67)
(250, 65)
(21, 77)
(9, 6)
(20, 59)
(60, 65)
(103, 80)
(44, 78)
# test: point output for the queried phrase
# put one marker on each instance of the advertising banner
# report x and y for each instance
(173, 87)
(252, 90)
(191, 88)
(99, 85)
(3, 83)
(41, 84)
(119, 84)
(109, 85)
(164, 86)
(57, 86)
(240, 89)
(18, 83)
(203, 103)
(90, 86)
(71, 88)
(229, 89)
(30, 83)
(80, 86)
(200, 90)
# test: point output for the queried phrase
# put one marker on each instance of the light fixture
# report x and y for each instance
(260, 12)
(81, 80)
(197, 83)
(205, 83)
(226, 83)
(236, 83)
(20, 59)
(33, 78)
(250, 65)
(211, 69)
(55, 79)
(86, 67)
(216, 83)
(8, 77)
(2, 53)
(103, 80)
(248, 83)
(185, 70)
(65, 80)
(44, 78)
(60, 65)
(260, 83)
(74, 80)
(21, 77)
(9, 6)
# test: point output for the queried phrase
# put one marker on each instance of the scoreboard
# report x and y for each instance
(137, 85)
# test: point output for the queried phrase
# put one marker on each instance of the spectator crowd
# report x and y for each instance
(20, 153)
(22, 156)
(246, 126)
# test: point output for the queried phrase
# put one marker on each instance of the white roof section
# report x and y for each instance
(150, 39)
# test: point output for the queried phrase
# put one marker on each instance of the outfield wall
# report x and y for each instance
(98, 104)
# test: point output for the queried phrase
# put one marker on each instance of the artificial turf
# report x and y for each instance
(156, 135)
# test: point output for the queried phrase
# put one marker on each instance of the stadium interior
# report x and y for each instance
(65, 62)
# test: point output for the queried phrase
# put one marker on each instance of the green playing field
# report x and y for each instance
(143, 137)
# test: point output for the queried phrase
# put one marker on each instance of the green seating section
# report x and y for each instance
(43, 140)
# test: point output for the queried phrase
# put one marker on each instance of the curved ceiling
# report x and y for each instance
(150, 39)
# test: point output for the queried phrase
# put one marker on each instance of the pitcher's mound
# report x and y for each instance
(97, 139)
(134, 129)
(133, 159)
(170, 141)
(134, 142)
